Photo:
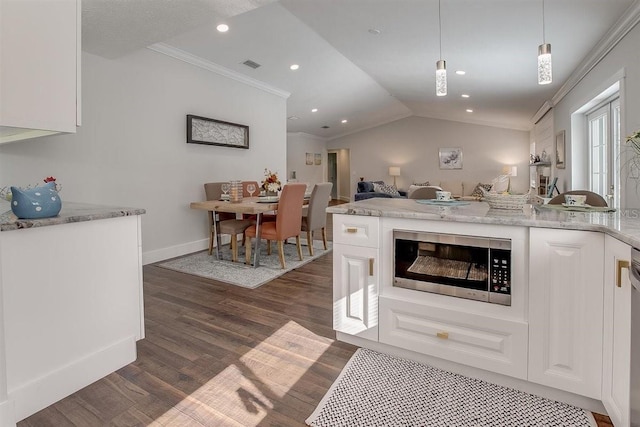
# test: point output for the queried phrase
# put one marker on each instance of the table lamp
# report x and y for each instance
(394, 171)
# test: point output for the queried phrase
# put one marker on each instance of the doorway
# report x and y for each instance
(332, 173)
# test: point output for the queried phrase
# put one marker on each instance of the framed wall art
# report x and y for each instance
(202, 130)
(450, 158)
(317, 159)
(308, 159)
(560, 152)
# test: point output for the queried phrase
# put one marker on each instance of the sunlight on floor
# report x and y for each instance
(239, 395)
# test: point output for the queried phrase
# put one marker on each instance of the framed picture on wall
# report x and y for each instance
(309, 159)
(450, 158)
(202, 130)
(317, 159)
(560, 153)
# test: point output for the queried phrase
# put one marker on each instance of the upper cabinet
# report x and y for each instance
(39, 68)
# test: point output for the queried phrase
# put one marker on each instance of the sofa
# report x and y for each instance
(461, 190)
(367, 190)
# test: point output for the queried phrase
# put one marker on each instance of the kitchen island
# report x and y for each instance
(565, 332)
(71, 299)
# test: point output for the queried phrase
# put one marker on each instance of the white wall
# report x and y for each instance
(298, 145)
(412, 143)
(131, 149)
(624, 59)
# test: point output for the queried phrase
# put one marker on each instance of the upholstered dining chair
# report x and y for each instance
(227, 222)
(424, 193)
(314, 216)
(593, 199)
(287, 224)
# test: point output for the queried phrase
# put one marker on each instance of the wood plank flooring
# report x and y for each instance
(220, 355)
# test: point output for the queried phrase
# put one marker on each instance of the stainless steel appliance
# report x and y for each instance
(634, 275)
(472, 267)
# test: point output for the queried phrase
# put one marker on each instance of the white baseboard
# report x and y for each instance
(31, 397)
(150, 257)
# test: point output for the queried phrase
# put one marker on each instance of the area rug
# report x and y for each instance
(237, 273)
(376, 389)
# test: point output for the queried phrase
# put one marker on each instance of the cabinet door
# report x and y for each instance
(617, 332)
(565, 310)
(355, 290)
(40, 59)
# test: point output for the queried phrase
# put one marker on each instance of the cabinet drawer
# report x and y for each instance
(356, 230)
(484, 342)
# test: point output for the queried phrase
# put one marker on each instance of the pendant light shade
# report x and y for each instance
(441, 66)
(544, 58)
(544, 64)
(441, 77)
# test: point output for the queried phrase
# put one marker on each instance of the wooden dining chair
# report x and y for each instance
(593, 199)
(227, 223)
(287, 224)
(315, 217)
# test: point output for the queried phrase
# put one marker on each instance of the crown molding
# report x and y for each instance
(377, 124)
(627, 21)
(181, 55)
(542, 111)
(309, 135)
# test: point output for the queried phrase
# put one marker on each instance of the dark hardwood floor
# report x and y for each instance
(219, 355)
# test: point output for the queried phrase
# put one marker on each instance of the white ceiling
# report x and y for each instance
(348, 73)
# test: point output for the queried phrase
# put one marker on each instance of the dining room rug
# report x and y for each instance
(237, 273)
(376, 389)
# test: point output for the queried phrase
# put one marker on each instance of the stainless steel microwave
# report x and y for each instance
(472, 267)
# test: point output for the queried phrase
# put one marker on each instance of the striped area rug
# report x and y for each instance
(376, 389)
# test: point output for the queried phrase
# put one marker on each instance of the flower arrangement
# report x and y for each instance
(634, 141)
(271, 182)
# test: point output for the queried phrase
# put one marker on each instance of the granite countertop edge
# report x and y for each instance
(71, 212)
(624, 226)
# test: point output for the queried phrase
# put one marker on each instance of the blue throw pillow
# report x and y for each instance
(39, 202)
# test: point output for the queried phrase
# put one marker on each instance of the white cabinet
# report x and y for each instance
(616, 361)
(565, 310)
(40, 77)
(472, 339)
(355, 275)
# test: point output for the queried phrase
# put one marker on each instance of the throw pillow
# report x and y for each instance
(500, 184)
(477, 192)
(387, 189)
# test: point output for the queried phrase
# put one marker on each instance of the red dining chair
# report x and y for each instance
(287, 224)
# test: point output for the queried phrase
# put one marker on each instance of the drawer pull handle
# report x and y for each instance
(370, 266)
(622, 263)
(352, 230)
(443, 335)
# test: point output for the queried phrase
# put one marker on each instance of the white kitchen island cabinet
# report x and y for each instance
(565, 310)
(568, 332)
(72, 306)
(616, 363)
(355, 276)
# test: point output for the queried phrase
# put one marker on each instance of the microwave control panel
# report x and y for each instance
(500, 271)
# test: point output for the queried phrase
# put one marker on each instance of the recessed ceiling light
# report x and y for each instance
(344, 120)
(294, 67)
(464, 95)
(293, 118)
(469, 110)
(314, 110)
(374, 31)
(223, 28)
(461, 73)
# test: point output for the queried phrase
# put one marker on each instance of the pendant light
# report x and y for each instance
(544, 57)
(441, 65)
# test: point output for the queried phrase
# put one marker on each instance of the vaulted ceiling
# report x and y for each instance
(371, 61)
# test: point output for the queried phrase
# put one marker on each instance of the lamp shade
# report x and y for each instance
(394, 171)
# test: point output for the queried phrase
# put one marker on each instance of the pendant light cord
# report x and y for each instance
(543, 32)
(440, 26)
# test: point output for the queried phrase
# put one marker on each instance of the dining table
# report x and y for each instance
(248, 205)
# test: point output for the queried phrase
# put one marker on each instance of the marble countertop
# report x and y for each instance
(622, 224)
(71, 212)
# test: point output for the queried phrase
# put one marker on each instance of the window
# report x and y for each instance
(603, 132)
